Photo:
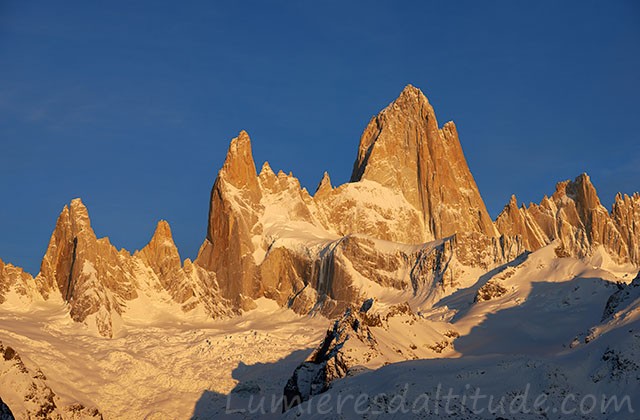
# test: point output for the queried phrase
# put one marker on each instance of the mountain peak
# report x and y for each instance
(411, 93)
(77, 215)
(266, 169)
(583, 177)
(324, 186)
(581, 190)
(403, 149)
(74, 260)
(163, 231)
(411, 103)
(161, 253)
(575, 216)
(239, 168)
(77, 203)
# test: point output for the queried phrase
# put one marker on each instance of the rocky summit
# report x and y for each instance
(431, 172)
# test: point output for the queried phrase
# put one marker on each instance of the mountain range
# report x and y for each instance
(405, 248)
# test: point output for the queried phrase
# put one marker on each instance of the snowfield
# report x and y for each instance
(166, 371)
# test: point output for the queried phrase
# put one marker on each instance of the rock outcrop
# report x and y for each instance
(366, 339)
(624, 296)
(490, 290)
(575, 217)
(16, 283)
(28, 394)
(347, 345)
(626, 216)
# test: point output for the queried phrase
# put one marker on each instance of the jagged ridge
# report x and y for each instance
(412, 222)
(575, 217)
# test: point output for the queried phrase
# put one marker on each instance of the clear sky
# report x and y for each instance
(131, 105)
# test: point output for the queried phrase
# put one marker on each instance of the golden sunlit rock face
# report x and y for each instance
(403, 149)
(98, 281)
(91, 274)
(574, 216)
(161, 255)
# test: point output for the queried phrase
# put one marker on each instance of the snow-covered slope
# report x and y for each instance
(598, 381)
(364, 339)
(175, 367)
(520, 343)
(171, 368)
(27, 392)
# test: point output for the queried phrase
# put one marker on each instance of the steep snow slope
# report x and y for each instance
(544, 302)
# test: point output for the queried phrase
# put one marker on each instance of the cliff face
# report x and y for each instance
(575, 217)
(626, 217)
(235, 203)
(90, 273)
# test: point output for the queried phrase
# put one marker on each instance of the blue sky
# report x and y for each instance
(132, 106)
